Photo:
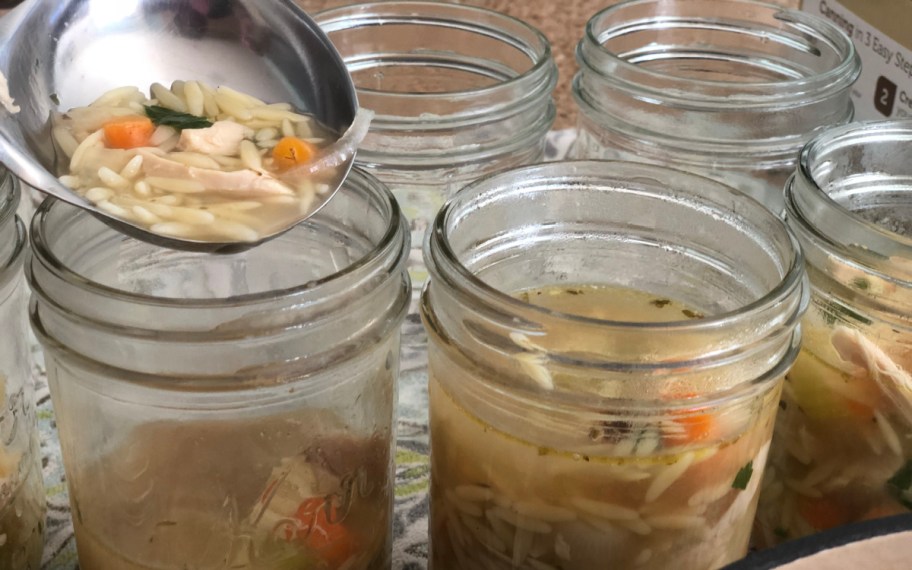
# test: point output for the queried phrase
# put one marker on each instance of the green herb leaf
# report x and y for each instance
(55, 99)
(170, 118)
(861, 283)
(744, 476)
(900, 485)
(692, 314)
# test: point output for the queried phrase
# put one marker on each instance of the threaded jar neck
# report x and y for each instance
(715, 77)
(329, 287)
(638, 226)
(849, 205)
(451, 85)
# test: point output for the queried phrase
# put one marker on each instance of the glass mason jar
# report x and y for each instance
(731, 89)
(458, 92)
(843, 445)
(607, 345)
(227, 410)
(22, 496)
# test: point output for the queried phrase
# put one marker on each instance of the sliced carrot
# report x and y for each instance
(128, 132)
(823, 513)
(292, 151)
(694, 428)
(330, 540)
(691, 426)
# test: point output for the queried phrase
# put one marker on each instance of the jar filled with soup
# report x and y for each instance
(607, 347)
(843, 446)
(730, 89)
(457, 91)
(22, 496)
(228, 411)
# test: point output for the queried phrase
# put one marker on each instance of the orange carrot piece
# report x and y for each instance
(128, 132)
(331, 541)
(692, 426)
(696, 428)
(292, 151)
(823, 513)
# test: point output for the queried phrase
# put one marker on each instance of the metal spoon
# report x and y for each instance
(59, 54)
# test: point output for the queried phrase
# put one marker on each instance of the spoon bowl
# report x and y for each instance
(60, 54)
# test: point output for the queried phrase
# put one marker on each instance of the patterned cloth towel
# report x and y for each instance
(412, 465)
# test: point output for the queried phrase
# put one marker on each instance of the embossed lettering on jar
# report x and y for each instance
(231, 410)
(843, 446)
(607, 347)
(22, 496)
(458, 92)
(730, 89)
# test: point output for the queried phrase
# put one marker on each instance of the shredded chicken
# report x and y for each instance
(247, 182)
(222, 138)
(896, 383)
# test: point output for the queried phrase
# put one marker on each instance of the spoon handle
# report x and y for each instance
(35, 176)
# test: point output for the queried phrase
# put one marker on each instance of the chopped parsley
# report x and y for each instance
(170, 118)
(55, 99)
(692, 314)
(660, 302)
(900, 485)
(744, 476)
(861, 283)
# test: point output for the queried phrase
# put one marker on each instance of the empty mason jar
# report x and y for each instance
(843, 445)
(731, 89)
(607, 347)
(22, 496)
(458, 92)
(230, 410)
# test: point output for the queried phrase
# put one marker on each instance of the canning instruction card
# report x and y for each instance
(882, 33)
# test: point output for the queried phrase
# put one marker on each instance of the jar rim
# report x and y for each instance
(468, 17)
(44, 254)
(748, 93)
(762, 329)
(467, 283)
(804, 192)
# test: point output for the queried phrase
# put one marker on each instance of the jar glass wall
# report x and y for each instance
(227, 410)
(731, 89)
(22, 496)
(607, 345)
(458, 92)
(843, 445)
